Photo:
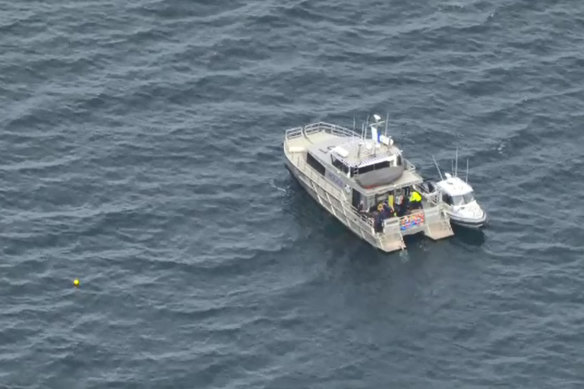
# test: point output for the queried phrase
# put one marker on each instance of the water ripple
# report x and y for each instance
(140, 151)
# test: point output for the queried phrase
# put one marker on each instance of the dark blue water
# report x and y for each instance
(140, 151)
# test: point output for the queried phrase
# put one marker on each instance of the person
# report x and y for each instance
(400, 205)
(415, 200)
(378, 224)
(384, 212)
(387, 211)
(390, 200)
(361, 207)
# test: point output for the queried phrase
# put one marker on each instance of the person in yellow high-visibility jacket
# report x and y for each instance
(415, 200)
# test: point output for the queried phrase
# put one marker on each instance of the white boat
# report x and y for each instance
(463, 208)
(353, 175)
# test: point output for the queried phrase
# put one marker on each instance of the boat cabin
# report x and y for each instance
(369, 171)
(455, 191)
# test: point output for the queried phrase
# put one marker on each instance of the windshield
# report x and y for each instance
(463, 199)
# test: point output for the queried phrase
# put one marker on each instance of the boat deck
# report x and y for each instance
(307, 141)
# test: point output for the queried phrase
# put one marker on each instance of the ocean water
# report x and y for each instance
(140, 151)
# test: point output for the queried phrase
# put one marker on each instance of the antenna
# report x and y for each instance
(438, 168)
(386, 123)
(452, 166)
(367, 126)
(456, 166)
(354, 124)
(467, 170)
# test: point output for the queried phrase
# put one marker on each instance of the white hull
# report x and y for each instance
(466, 222)
(463, 209)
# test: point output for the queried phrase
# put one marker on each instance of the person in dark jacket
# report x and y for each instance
(387, 211)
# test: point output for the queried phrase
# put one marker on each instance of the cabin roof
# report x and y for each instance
(354, 152)
(408, 178)
(323, 151)
(454, 186)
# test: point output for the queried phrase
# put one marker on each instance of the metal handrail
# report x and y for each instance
(409, 166)
(318, 127)
(293, 133)
(432, 198)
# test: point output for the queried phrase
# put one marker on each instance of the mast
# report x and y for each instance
(437, 168)
(456, 166)
(366, 126)
(467, 170)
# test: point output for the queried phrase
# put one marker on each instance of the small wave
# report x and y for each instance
(273, 185)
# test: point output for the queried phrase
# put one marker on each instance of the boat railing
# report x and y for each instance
(293, 133)
(319, 127)
(333, 191)
(432, 199)
(329, 128)
(409, 166)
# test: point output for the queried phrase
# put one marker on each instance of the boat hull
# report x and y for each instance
(305, 183)
(473, 223)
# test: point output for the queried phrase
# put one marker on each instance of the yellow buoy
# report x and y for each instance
(76, 283)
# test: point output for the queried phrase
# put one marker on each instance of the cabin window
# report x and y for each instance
(447, 199)
(315, 164)
(463, 199)
(357, 199)
(377, 166)
(399, 160)
(339, 165)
